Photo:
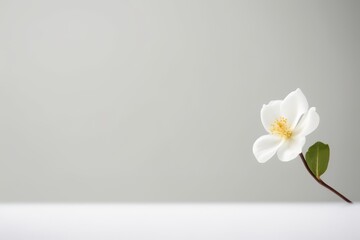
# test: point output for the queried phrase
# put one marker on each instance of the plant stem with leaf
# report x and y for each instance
(321, 182)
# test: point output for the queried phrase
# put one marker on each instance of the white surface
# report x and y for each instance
(179, 221)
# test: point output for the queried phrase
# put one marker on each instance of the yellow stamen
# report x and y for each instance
(280, 127)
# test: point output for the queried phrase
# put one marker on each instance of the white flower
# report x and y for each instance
(287, 122)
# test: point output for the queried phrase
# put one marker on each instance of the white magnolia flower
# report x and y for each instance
(287, 122)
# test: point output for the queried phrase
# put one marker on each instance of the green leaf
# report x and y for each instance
(317, 158)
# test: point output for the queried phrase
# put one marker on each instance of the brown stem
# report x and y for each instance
(321, 182)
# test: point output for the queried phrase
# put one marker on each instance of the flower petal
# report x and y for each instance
(308, 123)
(291, 148)
(269, 113)
(265, 147)
(293, 107)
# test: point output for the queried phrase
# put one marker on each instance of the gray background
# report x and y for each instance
(160, 100)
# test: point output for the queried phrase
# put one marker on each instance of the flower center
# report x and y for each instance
(280, 127)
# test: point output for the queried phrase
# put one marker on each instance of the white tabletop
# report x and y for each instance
(179, 221)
